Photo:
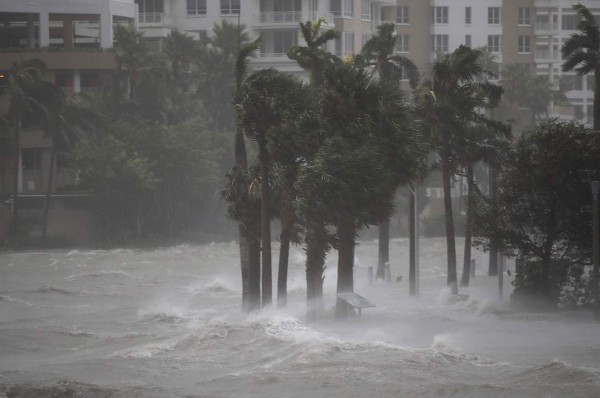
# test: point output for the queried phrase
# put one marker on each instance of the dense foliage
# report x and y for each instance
(542, 209)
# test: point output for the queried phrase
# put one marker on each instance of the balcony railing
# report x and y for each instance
(156, 19)
(547, 55)
(546, 27)
(290, 17)
(279, 17)
(546, 3)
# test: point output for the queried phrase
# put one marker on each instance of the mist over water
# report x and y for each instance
(167, 323)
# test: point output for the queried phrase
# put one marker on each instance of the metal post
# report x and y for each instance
(417, 283)
(595, 248)
(387, 272)
(501, 274)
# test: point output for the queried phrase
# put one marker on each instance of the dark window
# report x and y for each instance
(31, 160)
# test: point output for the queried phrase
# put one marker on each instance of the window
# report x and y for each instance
(150, 6)
(365, 38)
(366, 10)
(402, 15)
(468, 15)
(342, 8)
(494, 15)
(524, 44)
(440, 43)
(439, 15)
(196, 7)
(493, 44)
(230, 7)
(345, 44)
(468, 40)
(283, 40)
(569, 22)
(31, 160)
(571, 82)
(402, 43)
(524, 16)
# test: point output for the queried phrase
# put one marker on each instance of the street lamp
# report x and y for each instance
(595, 248)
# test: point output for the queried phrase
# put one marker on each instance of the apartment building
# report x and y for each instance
(72, 38)
(276, 21)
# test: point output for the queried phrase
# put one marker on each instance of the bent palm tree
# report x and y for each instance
(457, 93)
(268, 103)
(24, 79)
(581, 52)
(378, 52)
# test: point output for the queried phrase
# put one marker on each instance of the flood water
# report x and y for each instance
(167, 323)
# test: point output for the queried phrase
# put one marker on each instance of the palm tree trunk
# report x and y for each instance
(493, 267)
(316, 249)
(13, 230)
(287, 224)
(251, 236)
(384, 248)
(464, 281)
(450, 241)
(48, 192)
(412, 267)
(597, 98)
(265, 224)
(345, 280)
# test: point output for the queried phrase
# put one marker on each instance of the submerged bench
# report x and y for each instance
(356, 301)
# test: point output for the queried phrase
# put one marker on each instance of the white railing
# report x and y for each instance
(279, 17)
(546, 3)
(290, 17)
(547, 55)
(272, 55)
(546, 26)
(156, 19)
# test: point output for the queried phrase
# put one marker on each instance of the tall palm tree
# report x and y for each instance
(180, 48)
(378, 53)
(369, 146)
(130, 54)
(248, 222)
(24, 84)
(581, 52)
(482, 142)
(314, 58)
(458, 92)
(269, 102)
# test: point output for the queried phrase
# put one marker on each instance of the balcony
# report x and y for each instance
(156, 19)
(546, 3)
(64, 59)
(546, 28)
(280, 19)
(547, 56)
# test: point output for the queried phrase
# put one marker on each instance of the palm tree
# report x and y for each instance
(481, 142)
(24, 84)
(180, 49)
(457, 93)
(540, 93)
(130, 54)
(581, 52)
(378, 53)
(269, 102)
(241, 203)
(314, 59)
(370, 145)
